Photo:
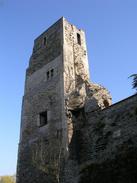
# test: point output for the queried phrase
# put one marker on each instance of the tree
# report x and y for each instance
(7, 179)
(134, 82)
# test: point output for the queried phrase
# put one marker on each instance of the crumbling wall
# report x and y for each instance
(101, 139)
(103, 144)
(80, 97)
(87, 97)
(110, 148)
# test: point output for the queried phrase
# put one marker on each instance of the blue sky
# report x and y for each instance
(111, 31)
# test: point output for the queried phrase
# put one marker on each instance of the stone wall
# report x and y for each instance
(41, 147)
(85, 139)
(75, 58)
(108, 145)
(43, 53)
(76, 73)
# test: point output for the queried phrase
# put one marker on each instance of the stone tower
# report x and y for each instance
(56, 90)
(53, 73)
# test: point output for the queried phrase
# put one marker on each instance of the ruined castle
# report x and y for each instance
(70, 131)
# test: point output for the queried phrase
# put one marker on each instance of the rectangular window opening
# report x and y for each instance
(45, 41)
(43, 118)
(48, 75)
(78, 38)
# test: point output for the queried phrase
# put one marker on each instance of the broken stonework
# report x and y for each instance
(97, 97)
(70, 131)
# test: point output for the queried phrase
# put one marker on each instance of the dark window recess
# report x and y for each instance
(52, 72)
(106, 104)
(48, 75)
(45, 41)
(43, 118)
(78, 38)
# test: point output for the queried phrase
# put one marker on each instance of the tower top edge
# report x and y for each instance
(60, 20)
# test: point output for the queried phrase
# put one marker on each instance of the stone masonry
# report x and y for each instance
(70, 131)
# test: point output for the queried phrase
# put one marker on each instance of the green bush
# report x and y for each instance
(7, 179)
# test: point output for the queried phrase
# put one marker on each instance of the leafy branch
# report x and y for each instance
(134, 82)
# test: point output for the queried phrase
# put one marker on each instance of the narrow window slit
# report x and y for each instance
(48, 75)
(78, 39)
(45, 41)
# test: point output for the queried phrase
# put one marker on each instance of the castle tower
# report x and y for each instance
(57, 72)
